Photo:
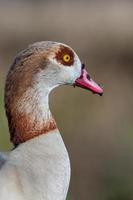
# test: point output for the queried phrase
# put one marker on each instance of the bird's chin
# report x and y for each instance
(86, 82)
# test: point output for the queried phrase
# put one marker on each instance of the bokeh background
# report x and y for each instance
(98, 131)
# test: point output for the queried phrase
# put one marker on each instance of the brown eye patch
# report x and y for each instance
(65, 56)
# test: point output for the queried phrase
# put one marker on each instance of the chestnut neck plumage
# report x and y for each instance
(30, 115)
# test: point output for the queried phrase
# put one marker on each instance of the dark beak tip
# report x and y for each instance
(101, 94)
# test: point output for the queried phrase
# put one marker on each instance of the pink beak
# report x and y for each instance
(85, 81)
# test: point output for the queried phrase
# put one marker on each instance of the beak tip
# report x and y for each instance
(101, 94)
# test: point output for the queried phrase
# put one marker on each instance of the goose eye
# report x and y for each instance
(66, 58)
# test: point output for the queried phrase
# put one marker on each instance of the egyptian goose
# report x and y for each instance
(38, 168)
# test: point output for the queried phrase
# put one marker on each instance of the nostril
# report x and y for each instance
(88, 76)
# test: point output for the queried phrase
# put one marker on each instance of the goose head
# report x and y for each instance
(62, 66)
(33, 74)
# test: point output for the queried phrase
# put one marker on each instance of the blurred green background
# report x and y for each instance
(98, 131)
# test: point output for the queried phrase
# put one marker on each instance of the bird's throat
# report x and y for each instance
(30, 116)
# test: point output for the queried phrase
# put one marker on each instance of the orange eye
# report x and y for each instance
(66, 57)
